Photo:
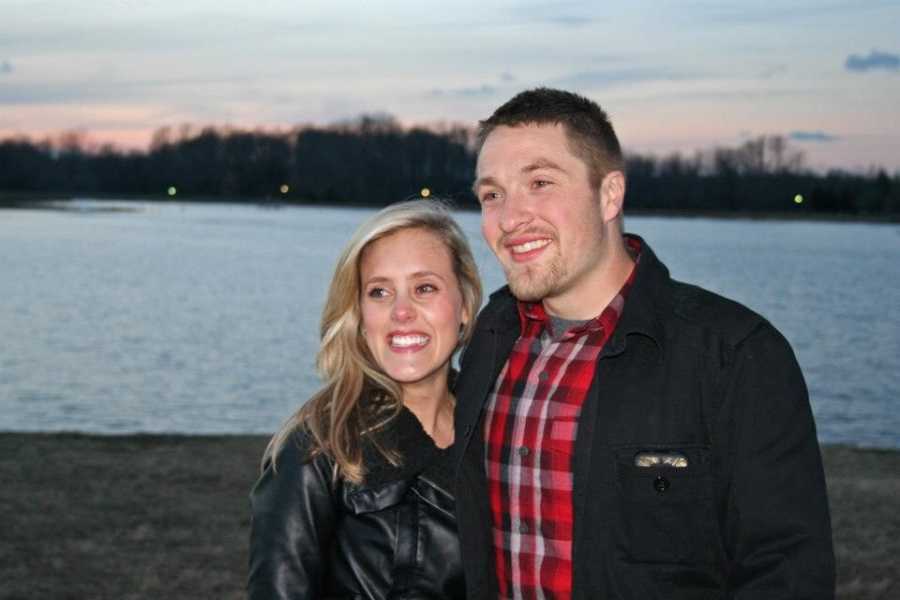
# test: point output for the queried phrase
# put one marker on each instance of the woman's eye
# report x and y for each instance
(377, 292)
(426, 288)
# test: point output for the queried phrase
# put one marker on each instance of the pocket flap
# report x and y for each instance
(368, 500)
(666, 472)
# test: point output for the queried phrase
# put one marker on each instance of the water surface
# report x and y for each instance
(202, 318)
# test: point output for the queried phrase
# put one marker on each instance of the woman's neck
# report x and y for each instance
(433, 407)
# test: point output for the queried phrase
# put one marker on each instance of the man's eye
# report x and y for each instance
(489, 196)
(541, 183)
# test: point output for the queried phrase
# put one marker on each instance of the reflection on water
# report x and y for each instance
(204, 318)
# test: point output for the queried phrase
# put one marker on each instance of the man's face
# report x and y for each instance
(539, 212)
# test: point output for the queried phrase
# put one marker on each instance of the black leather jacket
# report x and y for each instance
(689, 372)
(392, 537)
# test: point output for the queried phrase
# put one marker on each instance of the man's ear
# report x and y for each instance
(612, 195)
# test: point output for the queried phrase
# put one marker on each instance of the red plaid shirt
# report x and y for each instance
(530, 425)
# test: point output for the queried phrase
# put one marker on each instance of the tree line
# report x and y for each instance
(373, 160)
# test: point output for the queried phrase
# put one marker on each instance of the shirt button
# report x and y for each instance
(660, 484)
(543, 376)
(523, 527)
(523, 451)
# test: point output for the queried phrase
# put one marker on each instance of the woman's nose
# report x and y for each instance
(403, 310)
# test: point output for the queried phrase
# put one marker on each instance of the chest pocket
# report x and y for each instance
(666, 511)
(562, 427)
(368, 500)
(389, 516)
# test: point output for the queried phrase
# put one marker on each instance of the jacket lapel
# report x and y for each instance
(495, 334)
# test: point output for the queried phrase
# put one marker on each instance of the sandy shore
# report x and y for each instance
(167, 516)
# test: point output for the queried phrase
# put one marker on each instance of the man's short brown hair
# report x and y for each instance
(590, 134)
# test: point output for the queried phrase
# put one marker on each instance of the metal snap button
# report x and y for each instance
(661, 484)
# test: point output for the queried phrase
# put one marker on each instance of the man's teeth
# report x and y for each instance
(529, 246)
(404, 341)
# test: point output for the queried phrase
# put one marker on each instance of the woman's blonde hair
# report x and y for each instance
(357, 397)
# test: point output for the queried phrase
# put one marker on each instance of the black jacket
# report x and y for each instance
(690, 372)
(392, 537)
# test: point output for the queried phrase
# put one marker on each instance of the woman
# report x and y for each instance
(354, 498)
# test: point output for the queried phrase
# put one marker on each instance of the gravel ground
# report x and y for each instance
(167, 516)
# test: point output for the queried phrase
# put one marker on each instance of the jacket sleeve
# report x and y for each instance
(778, 529)
(293, 520)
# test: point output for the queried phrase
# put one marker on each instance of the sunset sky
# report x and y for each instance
(682, 75)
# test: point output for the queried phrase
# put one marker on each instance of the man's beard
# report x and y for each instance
(534, 283)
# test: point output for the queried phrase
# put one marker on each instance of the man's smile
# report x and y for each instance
(523, 249)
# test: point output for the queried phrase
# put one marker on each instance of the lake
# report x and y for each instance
(203, 318)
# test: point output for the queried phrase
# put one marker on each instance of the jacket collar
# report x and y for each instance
(405, 436)
(501, 314)
(641, 315)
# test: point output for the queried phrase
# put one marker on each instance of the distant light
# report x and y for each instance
(425, 192)
(798, 199)
(284, 188)
(172, 190)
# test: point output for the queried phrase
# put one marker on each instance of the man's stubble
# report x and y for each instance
(532, 283)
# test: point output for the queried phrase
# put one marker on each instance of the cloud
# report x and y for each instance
(773, 71)
(467, 92)
(583, 80)
(117, 91)
(566, 20)
(5, 67)
(811, 136)
(564, 13)
(875, 60)
(741, 13)
(610, 77)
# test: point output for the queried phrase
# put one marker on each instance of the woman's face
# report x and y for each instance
(411, 306)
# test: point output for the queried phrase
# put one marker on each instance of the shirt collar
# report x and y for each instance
(535, 313)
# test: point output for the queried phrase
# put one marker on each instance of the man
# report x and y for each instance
(621, 434)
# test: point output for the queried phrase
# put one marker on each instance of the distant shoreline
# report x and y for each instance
(141, 436)
(58, 201)
(168, 515)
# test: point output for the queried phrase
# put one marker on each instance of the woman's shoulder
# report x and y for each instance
(297, 451)
(293, 475)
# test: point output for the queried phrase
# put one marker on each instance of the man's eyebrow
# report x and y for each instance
(538, 164)
(483, 181)
(542, 163)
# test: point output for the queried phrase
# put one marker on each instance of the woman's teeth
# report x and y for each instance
(405, 341)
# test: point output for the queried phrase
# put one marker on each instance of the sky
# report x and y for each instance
(673, 75)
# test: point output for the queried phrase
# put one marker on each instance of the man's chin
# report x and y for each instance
(527, 289)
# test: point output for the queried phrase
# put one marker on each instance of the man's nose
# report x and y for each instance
(515, 214)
